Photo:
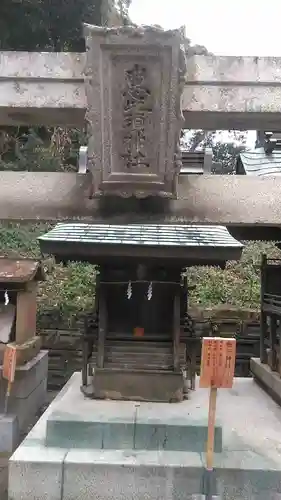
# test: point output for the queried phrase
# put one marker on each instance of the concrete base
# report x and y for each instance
(269, 380)
(249, 467)
(27, 396)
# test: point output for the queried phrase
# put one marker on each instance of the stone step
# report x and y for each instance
(138, 345)
(128, 425)
(127, 364)
(138, 354)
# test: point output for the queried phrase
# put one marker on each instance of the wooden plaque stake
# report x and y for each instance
(211, 428)
(9, 370)
(217, 371)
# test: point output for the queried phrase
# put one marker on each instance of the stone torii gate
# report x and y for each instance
(219, 93)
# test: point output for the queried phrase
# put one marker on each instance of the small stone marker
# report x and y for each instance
(217, 372)
(9, 369)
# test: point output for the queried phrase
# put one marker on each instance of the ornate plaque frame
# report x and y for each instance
(134, 81)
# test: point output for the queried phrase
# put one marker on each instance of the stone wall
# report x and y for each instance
(62, 337)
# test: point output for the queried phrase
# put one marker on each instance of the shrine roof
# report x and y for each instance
(259, 163)
(142, 240)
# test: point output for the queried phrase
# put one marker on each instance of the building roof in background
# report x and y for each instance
(259, 163)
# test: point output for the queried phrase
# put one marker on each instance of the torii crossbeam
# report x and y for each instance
(221, 92)
(249, 205)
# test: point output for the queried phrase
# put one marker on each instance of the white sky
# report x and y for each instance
(225, 27)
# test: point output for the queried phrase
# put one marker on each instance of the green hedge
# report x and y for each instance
(72, 289)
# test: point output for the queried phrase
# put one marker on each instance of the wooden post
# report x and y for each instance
(97, 291)
(185, 295)
(273, 342)
(193, 364)
(263, 319)
(263, 335)
(176, 333)
(211, 428)
(102, 319)
(85, 351)
(279, 361)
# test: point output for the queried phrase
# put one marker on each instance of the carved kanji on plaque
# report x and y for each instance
(137, 110)
(134, 78)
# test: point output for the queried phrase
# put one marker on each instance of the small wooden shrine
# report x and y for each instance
(18, 295)
(137, 342)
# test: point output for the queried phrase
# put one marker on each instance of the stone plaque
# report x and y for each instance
(134, 81)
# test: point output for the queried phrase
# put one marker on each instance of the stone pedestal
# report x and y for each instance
(126, 450)
(27, 396)
(149, 385)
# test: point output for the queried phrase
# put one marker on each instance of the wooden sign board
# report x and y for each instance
(9, 363)
(217, 362)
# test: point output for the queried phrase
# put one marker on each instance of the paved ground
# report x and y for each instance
(4, 460)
